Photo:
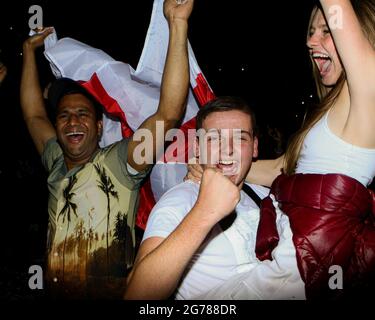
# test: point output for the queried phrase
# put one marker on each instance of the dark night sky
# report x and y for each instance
(266, 38)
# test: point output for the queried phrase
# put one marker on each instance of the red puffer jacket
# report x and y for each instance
(332, 218)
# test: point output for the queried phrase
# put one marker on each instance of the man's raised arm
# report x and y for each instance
(32, 104)
(175, 81)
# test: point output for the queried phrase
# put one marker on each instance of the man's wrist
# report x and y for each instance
(207, 216)
(177, 22)
(27, 47)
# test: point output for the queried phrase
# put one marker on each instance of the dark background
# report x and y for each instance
(253, 49)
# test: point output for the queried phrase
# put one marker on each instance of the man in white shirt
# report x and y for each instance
(199, 237)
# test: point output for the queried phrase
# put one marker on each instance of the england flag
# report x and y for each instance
(130, 96)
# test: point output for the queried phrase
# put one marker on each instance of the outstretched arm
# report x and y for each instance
(161, 262)
(175, 81)
(264, 172)
(32, 104)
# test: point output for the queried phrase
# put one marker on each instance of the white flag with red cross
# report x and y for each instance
(130, 96)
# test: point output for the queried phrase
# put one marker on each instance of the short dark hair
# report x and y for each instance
(222, 104)
(65, 86)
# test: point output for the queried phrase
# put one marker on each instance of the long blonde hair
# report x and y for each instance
(365, 10)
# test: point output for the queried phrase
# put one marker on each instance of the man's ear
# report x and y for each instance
(196, 147)
(100, 128)
(255, 148)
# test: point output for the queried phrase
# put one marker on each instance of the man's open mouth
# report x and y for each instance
(75, 137)
(228, 167)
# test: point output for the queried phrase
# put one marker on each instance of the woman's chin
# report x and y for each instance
(330, 80)
(329, 83)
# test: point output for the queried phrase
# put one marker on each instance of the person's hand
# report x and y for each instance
(178, 9)
(218, 196)
(37, 40)
(3, 72)
(195, 172)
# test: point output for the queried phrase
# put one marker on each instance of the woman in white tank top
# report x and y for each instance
(331, 160)
(339, 136)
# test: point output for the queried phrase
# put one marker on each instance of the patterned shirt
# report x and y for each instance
(92, 210)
